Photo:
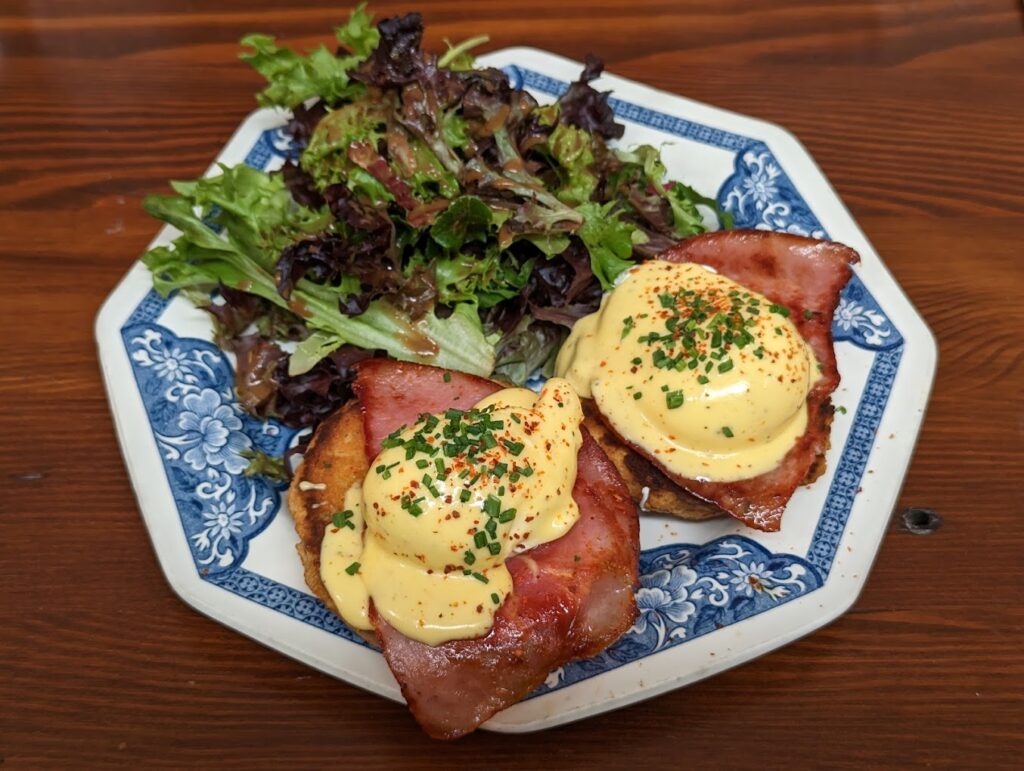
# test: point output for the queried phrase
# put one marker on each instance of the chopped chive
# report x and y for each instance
(674, 399)
(421, 463)
(492, 506)
(638, 396)
(465, 495)
(447, 377)
(481, 578)
(494, 548)
(495, 598)
(480, 539)
(727, 431)
(468, 557)
(499, 469)
(507, 516)
(526, 471)
(353, 568)
(725, 366)
(439, 465)
(513, 447)
(702, 379)
(343, 519)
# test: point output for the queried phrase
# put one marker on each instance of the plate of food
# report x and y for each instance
(508, 387)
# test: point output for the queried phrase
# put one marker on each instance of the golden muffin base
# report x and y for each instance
(333, 462)
(664, 496)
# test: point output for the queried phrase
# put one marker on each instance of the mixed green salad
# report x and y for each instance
(435, 214)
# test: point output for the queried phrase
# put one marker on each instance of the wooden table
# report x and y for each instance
(916, 113)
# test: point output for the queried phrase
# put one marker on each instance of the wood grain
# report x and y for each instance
(915, 112)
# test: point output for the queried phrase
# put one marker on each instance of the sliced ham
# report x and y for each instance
(803, 274)
(571, 598)
(395, 393)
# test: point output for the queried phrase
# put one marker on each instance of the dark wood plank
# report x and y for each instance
(915, 113)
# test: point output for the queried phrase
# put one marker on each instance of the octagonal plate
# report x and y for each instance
(714, 594)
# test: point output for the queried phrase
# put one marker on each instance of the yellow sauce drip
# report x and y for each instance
(341, 547)
(710, 409)
(421, 557)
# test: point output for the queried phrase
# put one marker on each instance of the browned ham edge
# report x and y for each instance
(571, 598)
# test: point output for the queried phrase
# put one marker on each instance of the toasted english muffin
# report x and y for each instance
(335, 459)
(664, 496)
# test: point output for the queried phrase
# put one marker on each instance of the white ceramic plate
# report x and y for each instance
(714, 595)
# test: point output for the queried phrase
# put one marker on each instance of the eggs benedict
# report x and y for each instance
(524, 559)
(449, 499)
(704, 374)
(714, 363)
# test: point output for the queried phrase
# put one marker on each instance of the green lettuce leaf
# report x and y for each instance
(458, 57)
(358, 33)
(683, 199)
(293, 78)
(609, 240)
(202, 259)
(425, 173)
(466, 219)
(254, 209)
(572, 148)
(531, 346)
(326, 155)
(484, 281)
(261, 464)
(687, 220)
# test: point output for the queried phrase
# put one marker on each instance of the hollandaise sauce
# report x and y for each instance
(708, 377)
(446, 502)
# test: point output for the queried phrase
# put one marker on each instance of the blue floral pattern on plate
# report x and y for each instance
(202, 434)
(687, 590)
(759, 194)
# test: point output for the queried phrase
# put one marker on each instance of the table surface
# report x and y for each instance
(914, 111)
